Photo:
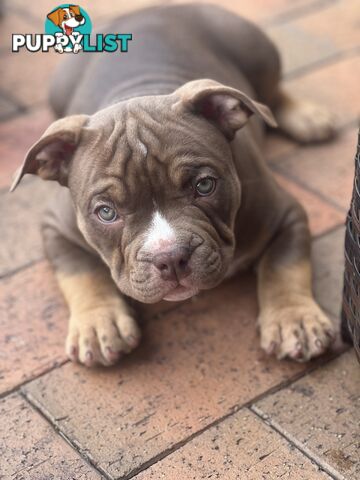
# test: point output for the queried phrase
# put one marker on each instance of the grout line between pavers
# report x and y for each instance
(21, 107)
(235, 409)
(330, 230)
(307, 452)
(24, 110)
(22, 267)
(275, 165)
(83, 453)
(310, 189)
(278, 19)
(16, 389)
(298, 12)
(324, 62)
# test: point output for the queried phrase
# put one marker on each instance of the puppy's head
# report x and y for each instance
(67, 18)
(154, 185)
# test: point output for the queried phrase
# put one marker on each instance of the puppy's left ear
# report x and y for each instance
(50, 157)
(227, 108)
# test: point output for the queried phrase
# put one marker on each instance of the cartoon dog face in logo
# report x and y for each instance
(67, 19)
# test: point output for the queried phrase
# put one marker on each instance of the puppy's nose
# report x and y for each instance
(78, 18)
(173, 264)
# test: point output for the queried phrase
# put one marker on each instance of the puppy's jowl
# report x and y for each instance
(166, 189)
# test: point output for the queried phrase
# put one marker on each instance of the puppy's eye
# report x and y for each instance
(65, 17)
(106, 214)
(205, 186)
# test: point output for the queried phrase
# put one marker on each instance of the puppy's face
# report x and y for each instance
(156, 195)
(156, 192)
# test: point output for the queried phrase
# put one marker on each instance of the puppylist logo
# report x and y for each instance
(67, 30)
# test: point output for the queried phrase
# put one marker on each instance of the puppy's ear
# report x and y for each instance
(50, 157)
(227, 108)
(55, 16)
(75, 9)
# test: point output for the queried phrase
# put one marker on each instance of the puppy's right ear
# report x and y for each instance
(55, 16)
(50, 157)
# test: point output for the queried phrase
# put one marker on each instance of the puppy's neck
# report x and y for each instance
(152, 83)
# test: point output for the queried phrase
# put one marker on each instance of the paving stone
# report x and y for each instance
(299, 48)
(334, 86)
(318, 36)
(322, 216)
(25, 76)
(13, 22)
(31, 450)
(98, 11)
(261, 10)
(108, 8)
(7, 108)
(242, 446)
(195, 364)
(321, 413)
(277, 146)
(326, 169)
(33, 322)
(328, 259)
(20, 217)
(16, 137)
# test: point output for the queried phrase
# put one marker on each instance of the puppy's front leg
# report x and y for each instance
(101, 326)
(291, 323)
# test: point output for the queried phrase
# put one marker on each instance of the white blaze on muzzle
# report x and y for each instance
(160, 234)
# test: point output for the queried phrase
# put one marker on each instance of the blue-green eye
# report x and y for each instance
(106, 214)
(205, 186)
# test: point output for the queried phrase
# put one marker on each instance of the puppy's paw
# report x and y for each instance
(299, 332)
(305, 122)
(101, 336)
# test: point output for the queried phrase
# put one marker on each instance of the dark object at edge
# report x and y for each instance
(350, 315)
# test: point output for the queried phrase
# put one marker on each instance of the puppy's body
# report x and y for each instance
(150, 136)
(172, 46)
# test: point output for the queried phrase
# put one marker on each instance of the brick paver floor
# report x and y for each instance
(198, 399)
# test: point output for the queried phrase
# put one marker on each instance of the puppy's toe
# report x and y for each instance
(118, 336)
(112, 346)
(129, 331)
(270, 337)
(306, 122)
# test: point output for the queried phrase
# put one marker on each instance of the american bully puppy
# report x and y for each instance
(167, 189)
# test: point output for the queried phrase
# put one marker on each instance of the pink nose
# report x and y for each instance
(173, 264)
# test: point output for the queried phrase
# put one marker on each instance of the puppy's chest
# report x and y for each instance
(240, 263)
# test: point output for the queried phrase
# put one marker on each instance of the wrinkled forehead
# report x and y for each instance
(146, 144)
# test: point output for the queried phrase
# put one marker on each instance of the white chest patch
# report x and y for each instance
(143, 148)
(160, 233)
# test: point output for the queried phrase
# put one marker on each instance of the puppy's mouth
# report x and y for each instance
(180, 292)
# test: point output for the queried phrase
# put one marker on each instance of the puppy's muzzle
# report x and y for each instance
(173, 264)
